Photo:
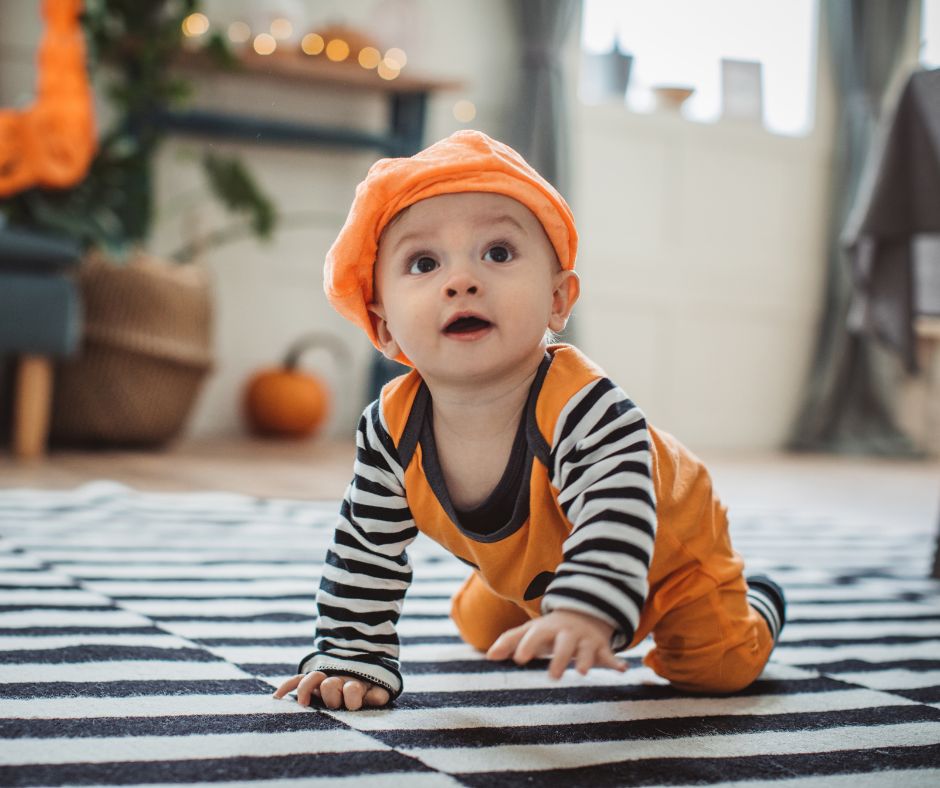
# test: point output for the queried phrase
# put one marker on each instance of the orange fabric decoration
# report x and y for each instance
(466, 161)
(52, 142)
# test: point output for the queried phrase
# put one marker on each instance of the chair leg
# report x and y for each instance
(32, 406)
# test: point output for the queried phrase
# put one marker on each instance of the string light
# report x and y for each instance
(264, 44)
(396, 58)
(239, 32)
(337, 50)
(281, 28)
(312, 44)
(195, 25)
(369, 57)
(388, 70)
(465, 111)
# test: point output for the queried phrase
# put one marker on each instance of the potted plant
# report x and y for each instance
(147, 342)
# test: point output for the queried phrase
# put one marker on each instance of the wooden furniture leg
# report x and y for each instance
(32, 406)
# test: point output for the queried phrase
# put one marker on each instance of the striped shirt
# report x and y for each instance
(599, 467)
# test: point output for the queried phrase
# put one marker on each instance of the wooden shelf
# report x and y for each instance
(406, 96)
(316, 69)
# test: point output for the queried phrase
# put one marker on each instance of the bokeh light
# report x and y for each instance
(337, 50)
(312, 44)
(465, 111)
(264, 44)
(388, 70)
(369, 57)
(396, 58)
(195, 25)
(239, 32)
(282, 28)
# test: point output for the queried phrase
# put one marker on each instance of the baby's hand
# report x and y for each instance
(564, 634)
(336, 692)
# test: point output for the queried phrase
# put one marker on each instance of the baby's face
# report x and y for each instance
(466, 285)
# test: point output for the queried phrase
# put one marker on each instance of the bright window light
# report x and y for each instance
(682, 42)
(930, 34)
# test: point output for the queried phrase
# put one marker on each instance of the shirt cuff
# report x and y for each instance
(333, 666)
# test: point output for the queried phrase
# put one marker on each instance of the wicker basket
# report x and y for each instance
(145, 353)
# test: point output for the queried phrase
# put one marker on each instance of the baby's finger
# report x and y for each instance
(376, 696)
(287, 686)
(586, 657)
(565, 645)
(353, 693)
(606, 659)
(331, 692)
(537, 642)
(506, 643)
(309, 687)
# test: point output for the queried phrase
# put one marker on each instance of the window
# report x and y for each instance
(683, 43)
(930, 34)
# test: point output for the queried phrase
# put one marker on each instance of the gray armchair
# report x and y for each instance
(40, 320)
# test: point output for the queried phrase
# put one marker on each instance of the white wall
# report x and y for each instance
(702, 260)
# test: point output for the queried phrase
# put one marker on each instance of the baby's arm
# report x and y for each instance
(365, 576)
(565, 635)
(602, 471)
(335, 691)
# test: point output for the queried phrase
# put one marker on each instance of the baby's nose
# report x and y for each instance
(452, 292)
(461, 282)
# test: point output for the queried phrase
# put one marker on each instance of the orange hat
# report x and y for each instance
(467, 161)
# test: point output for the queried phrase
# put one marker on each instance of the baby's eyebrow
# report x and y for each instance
(503, 218)
(482, 222)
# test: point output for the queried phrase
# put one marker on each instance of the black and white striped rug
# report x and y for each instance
(141, 636)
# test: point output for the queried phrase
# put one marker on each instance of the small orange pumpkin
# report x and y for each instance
(285, 401)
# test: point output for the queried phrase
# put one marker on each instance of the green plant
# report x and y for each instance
(132, 44)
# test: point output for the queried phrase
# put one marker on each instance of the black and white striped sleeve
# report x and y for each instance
(601, 465)
(367, 571)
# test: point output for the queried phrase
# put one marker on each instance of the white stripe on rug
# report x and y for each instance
(538, 757)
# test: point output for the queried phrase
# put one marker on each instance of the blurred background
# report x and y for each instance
(726, 161)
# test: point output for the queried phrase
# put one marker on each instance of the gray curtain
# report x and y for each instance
(847, 406)
(539, 129)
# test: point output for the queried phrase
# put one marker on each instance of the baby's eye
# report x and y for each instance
(498, 254)
(422, 265)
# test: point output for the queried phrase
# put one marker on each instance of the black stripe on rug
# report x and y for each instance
(344, 764)
(127, 689)
(653, 728)
(707, 771)
(168, 726)
(589, 694)
(104, 653)
(921, 694)
(863, 666)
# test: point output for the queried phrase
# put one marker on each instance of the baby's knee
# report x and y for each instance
(725, 676)
(713, 671)
(471, 627)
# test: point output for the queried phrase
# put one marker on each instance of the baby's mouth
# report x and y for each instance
(466, 325)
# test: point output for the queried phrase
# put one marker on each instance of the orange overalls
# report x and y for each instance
(707, 636)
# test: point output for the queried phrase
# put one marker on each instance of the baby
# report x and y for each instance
(586, 528)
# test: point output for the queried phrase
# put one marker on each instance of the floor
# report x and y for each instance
(875, 491)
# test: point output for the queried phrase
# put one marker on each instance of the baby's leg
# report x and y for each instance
(718, 642)
(482, 616)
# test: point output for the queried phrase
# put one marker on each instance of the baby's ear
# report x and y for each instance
(567, 289)
(387, 344)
